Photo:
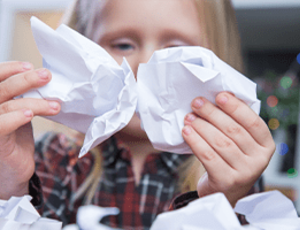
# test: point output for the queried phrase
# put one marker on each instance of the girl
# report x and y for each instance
(230, 140)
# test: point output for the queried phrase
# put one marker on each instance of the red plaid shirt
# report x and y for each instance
(59, 174)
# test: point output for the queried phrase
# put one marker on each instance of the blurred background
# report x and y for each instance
(270, 32)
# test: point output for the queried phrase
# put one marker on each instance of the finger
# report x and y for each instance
(246, 117)
(220, 143)
(10, 122)
(203, 188)
(39, 107)
(21, 83)
(8, 69)
(212, 162)
(240, 113)
(233, 130)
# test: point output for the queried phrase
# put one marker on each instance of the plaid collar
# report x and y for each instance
(113, 150)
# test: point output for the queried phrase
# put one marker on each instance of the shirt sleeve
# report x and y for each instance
(35, 191)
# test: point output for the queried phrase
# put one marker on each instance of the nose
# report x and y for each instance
(147, 52)
(142, 56)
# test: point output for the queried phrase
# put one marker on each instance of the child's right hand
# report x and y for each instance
(16, 138)
(233, 143)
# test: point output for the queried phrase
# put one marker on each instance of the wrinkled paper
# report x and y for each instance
(264, 211)
(169, 82)
(98, 97)
(18, 214)
(88, 218)
(269, 211)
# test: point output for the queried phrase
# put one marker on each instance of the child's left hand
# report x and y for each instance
(232, 142)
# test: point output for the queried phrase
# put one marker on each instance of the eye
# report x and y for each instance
(122, 46)
(172, 46)
(176, 43)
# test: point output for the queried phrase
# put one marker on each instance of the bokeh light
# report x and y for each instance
(272, 101)
(282, 148)
(285, 113)
(291, 173)
(274, 111)
(286, 82)
(273, 123)
(298, 58)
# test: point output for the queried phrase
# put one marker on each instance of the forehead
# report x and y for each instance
(152, 15)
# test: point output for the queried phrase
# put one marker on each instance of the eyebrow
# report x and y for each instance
(124, 32)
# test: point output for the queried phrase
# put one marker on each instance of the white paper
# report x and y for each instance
(88, 218)
(264, 211)
(18, 214)
(269, 211)
(97, 96)
(169, 82)
(210, 212)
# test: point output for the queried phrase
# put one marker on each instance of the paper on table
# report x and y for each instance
(98, 97)
(18, 213)
(269, 211)
(88, 218)
(189, 227)
(264, 211)
(169, 82)
(210, 212)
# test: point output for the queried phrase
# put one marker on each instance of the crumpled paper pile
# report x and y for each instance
(263, 211)
(88, 218)
(18, 214)
(98, 97)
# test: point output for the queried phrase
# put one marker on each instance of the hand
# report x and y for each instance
(232, 142)
(16, 139)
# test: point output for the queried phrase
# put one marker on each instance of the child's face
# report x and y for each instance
(136, 28)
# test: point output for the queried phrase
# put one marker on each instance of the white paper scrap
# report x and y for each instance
(97, 96)
(269, 211)
(88, 218)
(264, 211)
(18, 213)
(210, 212)
(169, 82)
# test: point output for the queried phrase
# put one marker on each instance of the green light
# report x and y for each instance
(291, 173)
(286, 82)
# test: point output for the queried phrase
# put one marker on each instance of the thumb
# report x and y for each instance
(203, 187)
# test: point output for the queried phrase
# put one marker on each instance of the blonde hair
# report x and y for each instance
(217, 17)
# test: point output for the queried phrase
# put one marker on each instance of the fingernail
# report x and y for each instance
(190, 117)
(223, 100)
(187, 130)
(202, 179)
(198, 103)
(53, 105)
(43, 74)
(27, 66)
(27, 112)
